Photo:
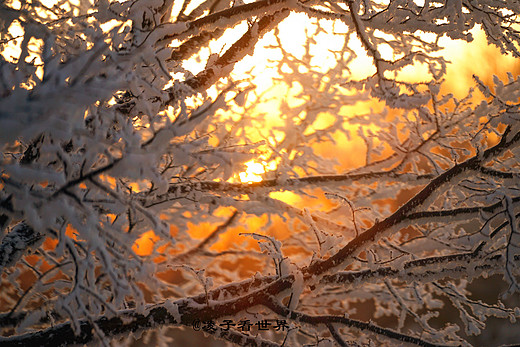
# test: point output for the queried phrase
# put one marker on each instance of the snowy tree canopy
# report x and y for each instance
(269, 173)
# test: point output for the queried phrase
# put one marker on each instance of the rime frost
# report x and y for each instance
(155, 154)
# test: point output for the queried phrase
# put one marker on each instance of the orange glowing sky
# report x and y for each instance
(292, 35)
(462, 56)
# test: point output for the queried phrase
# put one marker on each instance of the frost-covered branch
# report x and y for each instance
(296, 177)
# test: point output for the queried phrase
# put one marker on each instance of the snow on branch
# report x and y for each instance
(157, 158)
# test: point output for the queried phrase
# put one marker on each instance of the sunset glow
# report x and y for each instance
(255, 170)
(231, 170)
(261, 71)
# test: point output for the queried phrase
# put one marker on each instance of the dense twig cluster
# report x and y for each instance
(107, 133)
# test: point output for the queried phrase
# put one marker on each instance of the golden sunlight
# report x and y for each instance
(255, 170)
(261, 69)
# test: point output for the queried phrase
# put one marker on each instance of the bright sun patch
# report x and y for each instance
(255, 170)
